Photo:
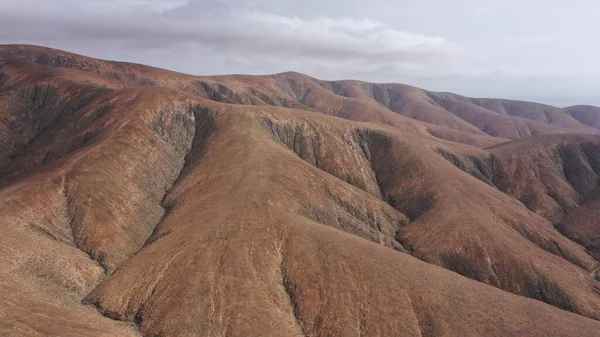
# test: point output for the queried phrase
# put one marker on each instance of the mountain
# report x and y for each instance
(136, 201)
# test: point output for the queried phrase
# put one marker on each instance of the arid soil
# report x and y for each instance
(136, 201)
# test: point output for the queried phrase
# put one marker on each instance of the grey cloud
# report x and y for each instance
(232, 28)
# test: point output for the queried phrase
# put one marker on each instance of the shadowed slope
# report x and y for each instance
(555, 176)
(69, 224)
(582, 225)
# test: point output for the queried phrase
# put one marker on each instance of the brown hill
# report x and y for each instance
(138, 201)
(347, 99)
(588, 115)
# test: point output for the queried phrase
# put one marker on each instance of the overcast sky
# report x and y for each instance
(540, 50)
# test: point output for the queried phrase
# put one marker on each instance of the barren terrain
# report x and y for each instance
(136, 201)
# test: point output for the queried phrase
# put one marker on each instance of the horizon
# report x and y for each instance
(472, 48)
(317, 78)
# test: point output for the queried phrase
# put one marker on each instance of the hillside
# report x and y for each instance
(138, 201)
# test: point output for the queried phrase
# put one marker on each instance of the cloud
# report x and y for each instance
(510, 48)
(232, 29)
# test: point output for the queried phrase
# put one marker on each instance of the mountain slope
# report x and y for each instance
(347, 99)
(281, 205)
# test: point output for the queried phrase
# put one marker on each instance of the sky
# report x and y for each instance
(545, 51)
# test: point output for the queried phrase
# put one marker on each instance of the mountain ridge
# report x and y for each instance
(280, 205)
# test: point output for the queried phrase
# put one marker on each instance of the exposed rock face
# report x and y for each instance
(136, 201)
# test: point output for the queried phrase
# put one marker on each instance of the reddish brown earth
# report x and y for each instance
(135, 201)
